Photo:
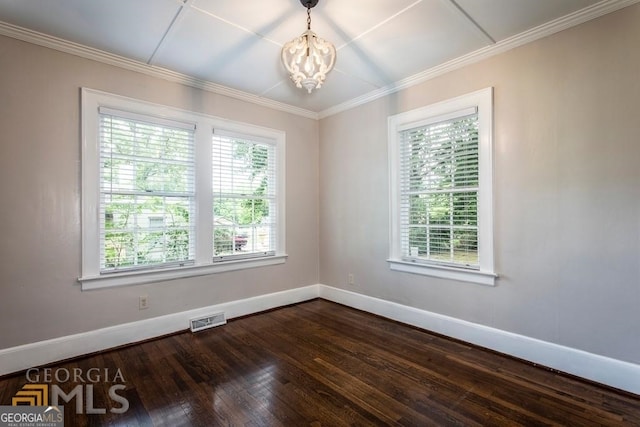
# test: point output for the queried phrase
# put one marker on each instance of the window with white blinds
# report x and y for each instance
(147, 191)
(244, 196)
(441, 189)
(169, 193)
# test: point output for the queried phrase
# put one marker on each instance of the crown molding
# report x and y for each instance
(592, 12)
(86, 52)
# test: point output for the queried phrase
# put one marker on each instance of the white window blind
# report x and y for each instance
(147, 192)
(439, 177)
(170, 193)
(244, 196)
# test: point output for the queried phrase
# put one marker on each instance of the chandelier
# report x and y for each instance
(308, 58)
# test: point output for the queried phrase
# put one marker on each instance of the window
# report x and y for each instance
(168, 193)
(147, 197)
(441, 195)
(244, 196)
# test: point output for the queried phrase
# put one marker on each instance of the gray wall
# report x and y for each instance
(566, 192)
(40, 297)
(567, 195)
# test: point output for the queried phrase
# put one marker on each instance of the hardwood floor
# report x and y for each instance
(323, 364)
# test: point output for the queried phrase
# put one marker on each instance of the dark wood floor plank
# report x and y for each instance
(323, 364)
(397, 369)
(211, 376)
(571, 407)
(375, 378)
(459, 352)
(290, 350)
(265, 380)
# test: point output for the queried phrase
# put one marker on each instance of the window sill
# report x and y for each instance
(461, 274)
(139, 277)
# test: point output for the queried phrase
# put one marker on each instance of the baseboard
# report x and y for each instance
(611, 372)
(604, 370)
(40, 353)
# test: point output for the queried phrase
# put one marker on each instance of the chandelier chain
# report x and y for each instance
(308, 18)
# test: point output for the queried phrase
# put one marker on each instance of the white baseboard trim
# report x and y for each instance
(20, 358)
(604, 370)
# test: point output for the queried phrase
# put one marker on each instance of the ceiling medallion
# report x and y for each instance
(308, 58)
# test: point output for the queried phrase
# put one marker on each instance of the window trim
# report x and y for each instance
(91, 278)
(483, 101)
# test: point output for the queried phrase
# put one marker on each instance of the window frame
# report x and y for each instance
(482, 100)
(91, 276)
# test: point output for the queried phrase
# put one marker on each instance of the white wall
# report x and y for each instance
(566, 192)
(40, 297)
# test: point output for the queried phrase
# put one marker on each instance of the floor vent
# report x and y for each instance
(207, 322)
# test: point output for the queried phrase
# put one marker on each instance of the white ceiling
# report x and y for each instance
(236, 44)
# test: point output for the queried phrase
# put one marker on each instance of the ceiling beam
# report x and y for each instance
(179, 16)
(477, 28)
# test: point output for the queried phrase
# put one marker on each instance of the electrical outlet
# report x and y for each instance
(351, 280)
(143, 302)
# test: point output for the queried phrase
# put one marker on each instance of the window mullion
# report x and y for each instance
(204, 200)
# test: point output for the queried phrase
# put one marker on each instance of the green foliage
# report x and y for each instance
(132, 239)
(256, 158)
(147, 178)
(222, 241)
(443, 202)
(141, 226)
(239, 213)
